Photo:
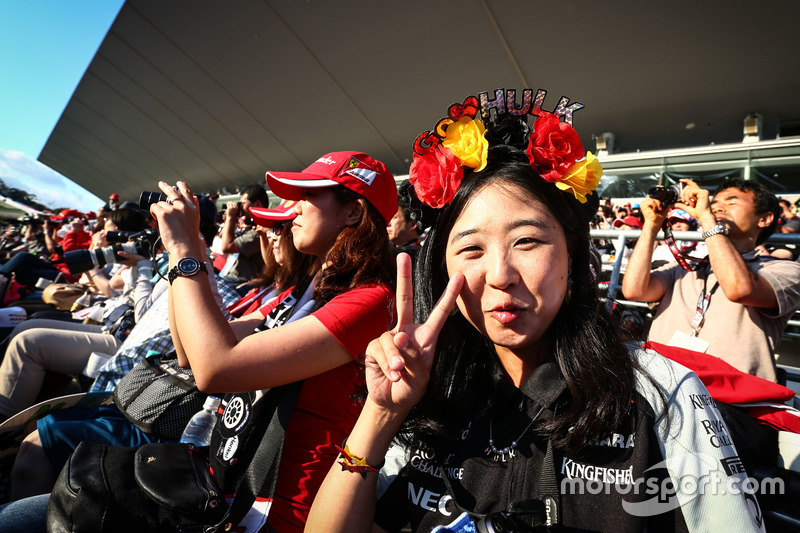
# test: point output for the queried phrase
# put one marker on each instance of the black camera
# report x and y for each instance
(30, 221)
(146, 199)
(527, 517)
(119, 236)
(139, 243)
(667, 195)
(506, 522)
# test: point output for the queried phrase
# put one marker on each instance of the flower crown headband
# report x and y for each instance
(458, 141)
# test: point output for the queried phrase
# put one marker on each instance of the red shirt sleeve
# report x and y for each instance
(358, 316)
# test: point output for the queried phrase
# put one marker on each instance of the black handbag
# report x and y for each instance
(167, 486)
(115, 489)
(158, 396)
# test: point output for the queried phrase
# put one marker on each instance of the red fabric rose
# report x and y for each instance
(436, 176)
(553, 147)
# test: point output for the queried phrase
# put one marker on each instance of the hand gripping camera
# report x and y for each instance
(139, 243)
(667, 195)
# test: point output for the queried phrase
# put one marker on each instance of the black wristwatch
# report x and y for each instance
(188, 266)
(718, 228)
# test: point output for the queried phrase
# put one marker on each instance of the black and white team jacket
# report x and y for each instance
(674, 467)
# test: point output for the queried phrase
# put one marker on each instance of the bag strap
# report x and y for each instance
(549, 493)
(265, 462)
(548, 487)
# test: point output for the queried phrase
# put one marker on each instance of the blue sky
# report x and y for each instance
(45, 47)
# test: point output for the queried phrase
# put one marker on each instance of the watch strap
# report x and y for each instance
(715, 230)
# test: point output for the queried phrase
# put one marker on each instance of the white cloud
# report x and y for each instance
(50, 188)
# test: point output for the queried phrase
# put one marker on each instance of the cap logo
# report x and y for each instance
(364, 174)
(326, 160)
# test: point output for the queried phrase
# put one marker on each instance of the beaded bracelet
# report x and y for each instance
(351, 463)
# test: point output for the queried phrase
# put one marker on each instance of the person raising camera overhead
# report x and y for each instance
(514, 390)
(736, 305)
(240, 241)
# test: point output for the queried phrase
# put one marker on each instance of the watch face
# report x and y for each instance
(188, 266)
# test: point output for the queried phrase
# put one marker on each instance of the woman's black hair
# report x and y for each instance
(597, 368)
(128, 219)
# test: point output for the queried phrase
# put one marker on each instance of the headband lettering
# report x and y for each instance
(505, 101)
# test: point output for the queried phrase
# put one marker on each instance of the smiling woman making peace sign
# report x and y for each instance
(522, 406)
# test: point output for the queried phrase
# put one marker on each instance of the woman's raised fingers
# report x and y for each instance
(441, 311)
(405, 291)
(377, 352)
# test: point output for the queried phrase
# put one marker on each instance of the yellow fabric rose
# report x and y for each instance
(582, 178)
(466, 139)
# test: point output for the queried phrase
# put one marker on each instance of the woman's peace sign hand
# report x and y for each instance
(399, 361)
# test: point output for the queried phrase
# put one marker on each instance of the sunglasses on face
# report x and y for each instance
(277, 229)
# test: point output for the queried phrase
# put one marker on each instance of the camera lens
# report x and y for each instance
(666, 195)
(146, 199)
(118, 236)
(79, 261)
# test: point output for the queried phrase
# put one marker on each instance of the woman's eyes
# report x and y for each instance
(527, 241)
(524, 243)
(469, 248)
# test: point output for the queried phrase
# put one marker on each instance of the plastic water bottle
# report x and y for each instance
(201, 425)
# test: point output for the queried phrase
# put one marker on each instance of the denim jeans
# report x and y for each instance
(25, 516)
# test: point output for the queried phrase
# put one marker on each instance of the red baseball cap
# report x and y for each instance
(66, 213)
(114, 196)
(355, 170)
(267, 218)
(631, 221)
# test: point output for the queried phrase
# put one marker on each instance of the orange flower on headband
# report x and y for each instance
(582, 178)
(553, 146)
(466, 138)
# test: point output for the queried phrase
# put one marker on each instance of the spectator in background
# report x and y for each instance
(744, 300)
(788, 222)
(680, 220)
(113, 202)
(239, 240)
(105, 278)
(403, 233)
(628, 222)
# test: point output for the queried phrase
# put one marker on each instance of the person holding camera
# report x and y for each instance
(106, 278)
(313, 341)
(514, 390)
(55, 347)
(242, 243)
(736, 305)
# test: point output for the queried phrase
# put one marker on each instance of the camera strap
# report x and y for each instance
(684, 260)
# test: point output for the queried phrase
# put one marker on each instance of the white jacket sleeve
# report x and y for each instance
(709, 480)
